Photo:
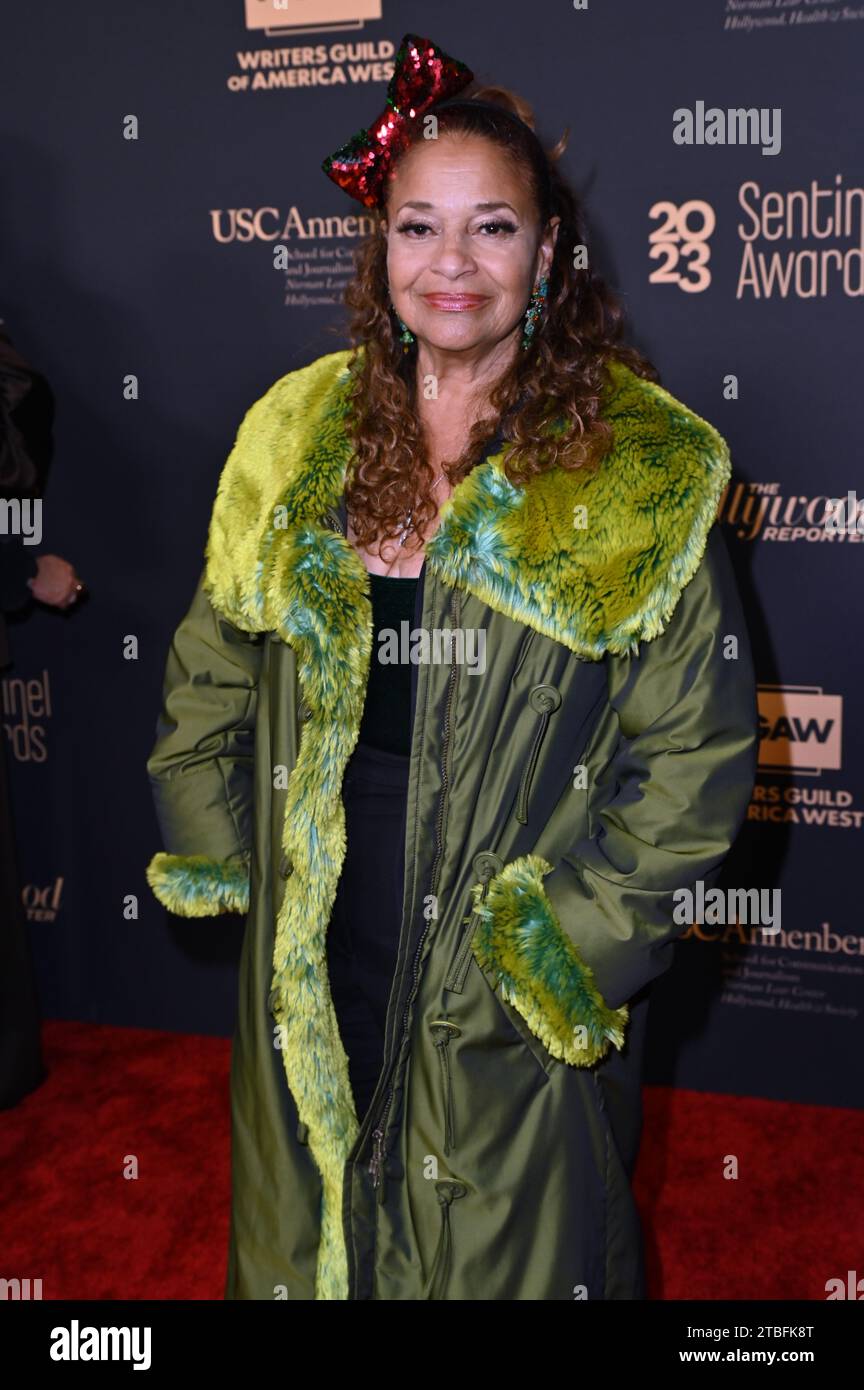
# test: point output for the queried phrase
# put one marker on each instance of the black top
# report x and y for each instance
(388, 714)
(386, 721)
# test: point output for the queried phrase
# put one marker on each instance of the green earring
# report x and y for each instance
(406, 337)
(534, 312)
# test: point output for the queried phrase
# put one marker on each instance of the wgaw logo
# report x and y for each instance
(277, 16)
(681, 243)
(800, 729)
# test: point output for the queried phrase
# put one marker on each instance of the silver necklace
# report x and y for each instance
(406, 528)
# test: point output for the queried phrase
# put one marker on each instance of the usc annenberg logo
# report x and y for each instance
(269, 224)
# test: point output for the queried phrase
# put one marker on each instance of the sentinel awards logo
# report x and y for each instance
(26, 708)
(796, 243)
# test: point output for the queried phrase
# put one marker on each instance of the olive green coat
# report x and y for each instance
(495, 1160)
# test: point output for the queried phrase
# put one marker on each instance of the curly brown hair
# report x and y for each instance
(390, 472)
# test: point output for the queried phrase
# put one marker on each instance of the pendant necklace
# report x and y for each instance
(406, 528)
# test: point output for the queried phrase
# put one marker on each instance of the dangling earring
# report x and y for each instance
(534, 312)
(406, 337)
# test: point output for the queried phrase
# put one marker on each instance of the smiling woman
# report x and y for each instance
(476, 244)
(458, 891)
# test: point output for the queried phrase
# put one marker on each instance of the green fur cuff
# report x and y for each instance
(540, 971)
(192, 885)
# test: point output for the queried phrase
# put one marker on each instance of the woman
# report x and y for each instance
(435, 1073)
(26, 451)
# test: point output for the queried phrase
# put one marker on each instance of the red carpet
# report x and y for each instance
(68, 1215)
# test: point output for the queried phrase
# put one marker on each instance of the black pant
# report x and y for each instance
(363, 936)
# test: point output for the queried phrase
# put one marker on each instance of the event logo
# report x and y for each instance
(800, 729)
(682, 237)
(279, 16)
(801, 733)
(786, 15)
(760, 511)
(798, 243)
(819, 941)
(269, 224)
(311, 275)
(42, 904)
(23, 703)
(831, 217)
(311, 65)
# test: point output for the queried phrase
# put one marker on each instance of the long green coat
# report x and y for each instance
(496, 1157)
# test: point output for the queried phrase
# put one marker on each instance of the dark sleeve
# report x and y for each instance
(17, 565)
(26, 424)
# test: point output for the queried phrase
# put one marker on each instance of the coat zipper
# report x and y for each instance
(446, 1030)
(376, 1163)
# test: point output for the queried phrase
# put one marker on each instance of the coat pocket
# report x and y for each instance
(486, 865)
(544, 700)
(535, 1046)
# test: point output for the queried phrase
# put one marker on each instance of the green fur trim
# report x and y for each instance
(616, 581)
(599, 588)
(194, 886)
(273, 565)
(539, 969)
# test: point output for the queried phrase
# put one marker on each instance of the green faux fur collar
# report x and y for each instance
(273, 565)
(598, 587)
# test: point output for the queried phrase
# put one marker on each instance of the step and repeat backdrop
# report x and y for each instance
(166, 220)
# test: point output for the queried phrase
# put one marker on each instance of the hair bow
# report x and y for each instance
(423, 74)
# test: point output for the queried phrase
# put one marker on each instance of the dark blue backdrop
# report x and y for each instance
(127, 257)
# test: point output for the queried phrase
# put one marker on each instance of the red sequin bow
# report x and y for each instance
(423, 75)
